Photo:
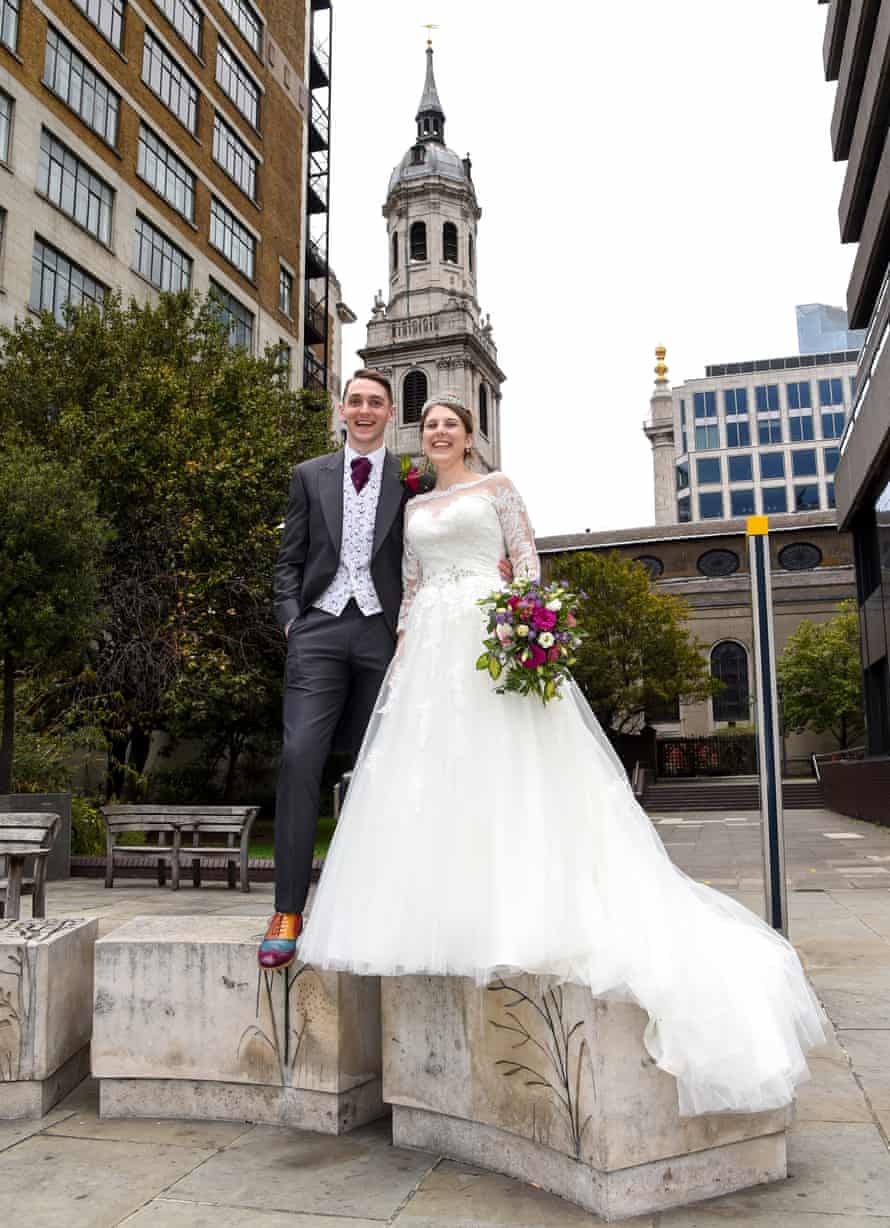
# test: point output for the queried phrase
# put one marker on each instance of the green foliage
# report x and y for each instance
(820, 677)
(187, 445)
(638, 648)
(87, 828)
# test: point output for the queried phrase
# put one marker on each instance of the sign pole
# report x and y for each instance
(768, 739)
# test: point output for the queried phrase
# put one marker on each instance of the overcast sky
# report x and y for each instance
(648, 173)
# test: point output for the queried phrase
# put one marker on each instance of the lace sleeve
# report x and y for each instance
(517, 529)
(411, 577)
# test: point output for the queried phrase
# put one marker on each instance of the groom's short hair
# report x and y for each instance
(368, 373)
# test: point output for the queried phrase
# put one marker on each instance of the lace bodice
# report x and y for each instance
(466, 530)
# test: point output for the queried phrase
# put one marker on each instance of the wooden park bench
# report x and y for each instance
(24, 835)
(179, 831)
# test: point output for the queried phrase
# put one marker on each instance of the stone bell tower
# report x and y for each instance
(428, 335)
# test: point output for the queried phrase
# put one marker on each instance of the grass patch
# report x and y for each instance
(263, 845)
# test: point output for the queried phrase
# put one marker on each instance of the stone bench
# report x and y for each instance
(186, 1025)
(25, 835)
(46, 1012)
(555, 1088)
(176, 823)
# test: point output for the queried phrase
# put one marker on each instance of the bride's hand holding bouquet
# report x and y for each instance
(532, 636)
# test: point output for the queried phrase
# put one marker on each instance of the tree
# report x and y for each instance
(51, 545)
(188, 443)
(820, 677)
(638, 651)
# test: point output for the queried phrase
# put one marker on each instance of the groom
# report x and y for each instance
(338, 587)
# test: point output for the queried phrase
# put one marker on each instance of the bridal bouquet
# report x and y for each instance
(532, 635)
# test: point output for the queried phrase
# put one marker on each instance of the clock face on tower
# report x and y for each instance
(430, 331)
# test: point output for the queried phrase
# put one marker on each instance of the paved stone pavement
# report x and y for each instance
(74, 1171)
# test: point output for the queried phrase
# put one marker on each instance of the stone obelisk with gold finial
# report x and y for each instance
(660, 433)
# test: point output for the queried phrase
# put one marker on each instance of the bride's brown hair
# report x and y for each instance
(448, 401)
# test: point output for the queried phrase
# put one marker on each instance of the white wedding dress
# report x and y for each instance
(485, 834)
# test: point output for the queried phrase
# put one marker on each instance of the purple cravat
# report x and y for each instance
(361, 471)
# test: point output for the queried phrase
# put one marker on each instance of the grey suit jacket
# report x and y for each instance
(313, 528)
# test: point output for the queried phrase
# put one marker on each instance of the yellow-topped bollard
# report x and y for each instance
(757, 526)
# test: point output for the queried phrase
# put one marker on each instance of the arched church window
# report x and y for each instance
(395, 251)
(729, 664)
(483, 410)
(449, 242)
(414, 393)
(426, 125)
(418, 240)
(471, 253)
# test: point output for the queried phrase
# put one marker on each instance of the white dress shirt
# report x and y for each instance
(353, 575)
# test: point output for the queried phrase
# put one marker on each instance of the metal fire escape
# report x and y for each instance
(316, 330)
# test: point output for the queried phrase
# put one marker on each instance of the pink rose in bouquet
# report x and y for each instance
(544, 619)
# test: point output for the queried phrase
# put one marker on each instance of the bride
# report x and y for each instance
(485, 834)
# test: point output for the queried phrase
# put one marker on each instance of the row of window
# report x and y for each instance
(801, 427)
(773, 500)
(798, 395)
(721, 562)
(419, 251)
(804, 463)
(415, 391)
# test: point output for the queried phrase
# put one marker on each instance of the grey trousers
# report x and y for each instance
(334, 670)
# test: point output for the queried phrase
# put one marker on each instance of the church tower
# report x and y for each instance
(429, 336)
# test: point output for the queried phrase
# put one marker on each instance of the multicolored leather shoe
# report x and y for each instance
(279, 947)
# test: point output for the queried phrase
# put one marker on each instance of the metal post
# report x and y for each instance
(768, 736)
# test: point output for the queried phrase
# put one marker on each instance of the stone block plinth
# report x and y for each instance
(46, 1012)
(554, 1087)
(186, 1025)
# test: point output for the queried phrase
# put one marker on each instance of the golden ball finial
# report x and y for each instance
(661, 368)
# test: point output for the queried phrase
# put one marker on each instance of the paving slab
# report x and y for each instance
(273, 1169)
(13, 1132)
(88, 1184)
(832, 1094)
(869, 1048)
(165, 1213)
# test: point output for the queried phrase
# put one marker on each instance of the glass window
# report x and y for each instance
(775, 499)
(9, 22)
(682, 476)
(233, 239)
(707, 470)
(710, 505)
(158, 260)
(683, 510)
(234, 157)
(800, 426)
(395, 251)
(799, 395)
(70, 185)
(449, 242)
(285, 291)
(829, 495)
(247, 20)
(283, 358)
(803, 463)
(72, 79)
(417, 236)
(56, 280)
(237, 82)
(6, 105)
(706, 438)
(832, 456)
(159, 166)
(483, 410)
(806, 498)
(682, 412)
(833, 424)
(738, 435)
(106, 15)
(741, 502)
(831, 392)
(705, 404)
(772, 464)
(185, 18)
(735, 401)
(729, 665)
(164, 77)
(769, 430)
(414, 393)
(740, 469)
(235, 316)
(766, 397)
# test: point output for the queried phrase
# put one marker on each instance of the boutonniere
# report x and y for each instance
(413, 480)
